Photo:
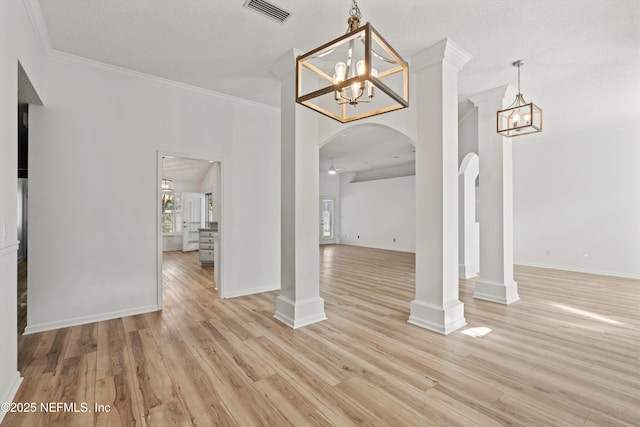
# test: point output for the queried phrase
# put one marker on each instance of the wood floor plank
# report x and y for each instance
(566, 354)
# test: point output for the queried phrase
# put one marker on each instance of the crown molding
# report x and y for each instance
(34, 12)
(82, 62)
(444, 51)
(466, 115)
(495, 96)
(285, 65)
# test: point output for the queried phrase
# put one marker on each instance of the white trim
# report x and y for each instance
(467, 271)
(445, 50)
(442, 319)
(297, 314)
(9, 393)
(9, 247)
(34, 12)
(48, 326)
(466, 115)
(578, 270)
(384, 248)
(80, 61)
(245, 292)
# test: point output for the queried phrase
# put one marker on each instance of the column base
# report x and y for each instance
(297, 314)
(441, 319)
(502, 293)
(467, 271)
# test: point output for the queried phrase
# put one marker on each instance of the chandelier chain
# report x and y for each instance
(519, 78)
(354, 12)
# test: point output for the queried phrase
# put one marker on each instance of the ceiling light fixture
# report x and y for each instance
(355, 76)
(332, 170)
(521, 117)
(167, 186)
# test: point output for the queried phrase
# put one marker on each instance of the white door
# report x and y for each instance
(327, 227)
(193, 216)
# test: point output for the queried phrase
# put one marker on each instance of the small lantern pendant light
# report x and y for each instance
(520, 118)
(355, 76)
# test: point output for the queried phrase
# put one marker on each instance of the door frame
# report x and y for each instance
(220, 258)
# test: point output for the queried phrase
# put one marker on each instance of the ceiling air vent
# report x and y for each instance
(267, 9)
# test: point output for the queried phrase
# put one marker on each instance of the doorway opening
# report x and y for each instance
(189, 220)
(327, 220)
(27, 95)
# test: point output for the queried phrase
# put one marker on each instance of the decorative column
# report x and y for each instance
(299, 303)
(437, 306)
(495, 205)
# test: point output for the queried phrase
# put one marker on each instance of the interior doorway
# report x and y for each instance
(27, 96)
(189, 219)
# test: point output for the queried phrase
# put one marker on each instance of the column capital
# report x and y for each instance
(493, 97)
(444, 51)
(285, 65)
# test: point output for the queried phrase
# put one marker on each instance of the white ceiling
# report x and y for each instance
(185, 170)
(582, 56)
(366, 146)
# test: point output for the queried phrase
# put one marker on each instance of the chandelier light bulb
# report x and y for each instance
(370, 87)
(341, 72)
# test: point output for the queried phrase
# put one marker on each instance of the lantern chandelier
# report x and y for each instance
(355, 76)
(167, 186)
(521, 117)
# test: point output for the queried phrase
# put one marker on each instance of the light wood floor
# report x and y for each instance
(567, 354)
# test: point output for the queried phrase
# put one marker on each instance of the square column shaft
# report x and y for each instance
(437, 306)
(495, 206)
(299, 303)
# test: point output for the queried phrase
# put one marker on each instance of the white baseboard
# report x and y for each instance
(297, 314)
(65, 323)
(9, 392)
(251, 291)
(382, 247)
(466, 271)
(578, 270)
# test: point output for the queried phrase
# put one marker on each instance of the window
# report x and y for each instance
(326, 217)
(171, 213)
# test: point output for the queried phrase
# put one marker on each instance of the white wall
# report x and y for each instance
(468, 133)
(330, 188)
(577, 201)
(378, 211)
(17, 43)
(93, 187)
